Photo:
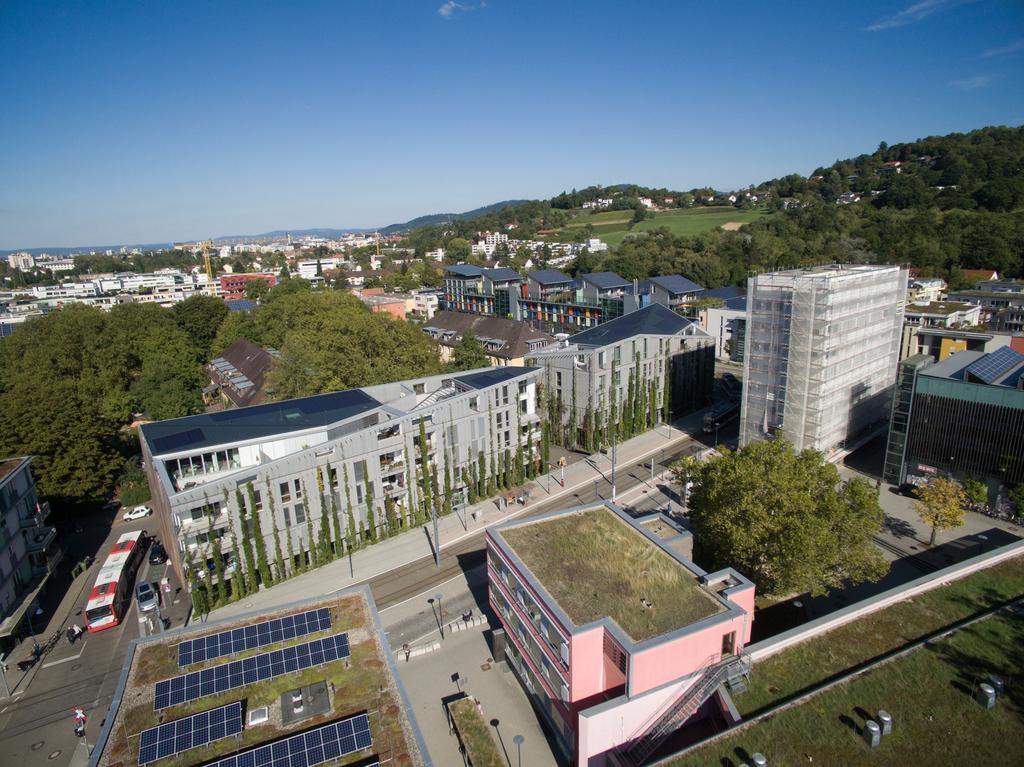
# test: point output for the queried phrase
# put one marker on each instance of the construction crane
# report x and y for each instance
(207, 262)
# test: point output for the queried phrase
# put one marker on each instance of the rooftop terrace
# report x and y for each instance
(596, 565)
(359, 684)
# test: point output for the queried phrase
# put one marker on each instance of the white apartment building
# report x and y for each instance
(320, 455)
(308, 269)
(22, 261)
(821, 350)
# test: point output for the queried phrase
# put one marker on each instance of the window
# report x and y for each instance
(617, 358)
(286, 492)
(558, 379)
(300, 513)
(257, 498)
(522, 387)
(287, 516)
(298, 489)
(504, 395)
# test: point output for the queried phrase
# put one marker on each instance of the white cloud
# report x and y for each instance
(450, 6)
(914, 13)
(1006, 50)
(972, 83)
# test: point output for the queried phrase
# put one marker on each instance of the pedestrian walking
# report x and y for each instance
(78, 630)
(71, 635)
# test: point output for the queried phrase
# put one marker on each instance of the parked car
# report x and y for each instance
(146, 596)
(138, 513)
(157, 555)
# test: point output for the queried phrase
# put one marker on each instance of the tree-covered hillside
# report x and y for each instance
(942, 204)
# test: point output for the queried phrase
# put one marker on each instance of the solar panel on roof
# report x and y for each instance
(218, 679)
(252, 636)
(172, 738)
(178, 441)
(993, 365)
(307, 749)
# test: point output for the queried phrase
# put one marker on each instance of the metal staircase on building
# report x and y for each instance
(440, 394)
(730, 670)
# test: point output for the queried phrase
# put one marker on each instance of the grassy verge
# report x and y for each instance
(815, 660)
(477, 739)
(928, 694)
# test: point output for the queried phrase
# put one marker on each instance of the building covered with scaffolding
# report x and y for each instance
(821, 353)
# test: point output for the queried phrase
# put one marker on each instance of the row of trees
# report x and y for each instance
(258, 565)
(640, 411)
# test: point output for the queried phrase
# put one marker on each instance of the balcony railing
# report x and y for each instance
(36, 519)
(39, 540)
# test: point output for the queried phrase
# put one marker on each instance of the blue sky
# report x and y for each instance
(147, 122)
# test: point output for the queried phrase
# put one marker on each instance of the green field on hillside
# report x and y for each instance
(612, 226)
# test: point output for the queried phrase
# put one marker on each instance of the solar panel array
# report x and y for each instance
(193, 731)
(307, 749)
(993, 365)
(256, 668)
(250, 637)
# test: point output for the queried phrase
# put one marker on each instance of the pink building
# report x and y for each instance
(619, 639)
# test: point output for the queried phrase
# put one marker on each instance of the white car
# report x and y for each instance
(138, 513)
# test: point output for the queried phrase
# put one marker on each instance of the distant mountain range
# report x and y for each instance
(329, 233)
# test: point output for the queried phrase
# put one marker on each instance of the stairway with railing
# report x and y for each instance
(667, 720)
(440, 394)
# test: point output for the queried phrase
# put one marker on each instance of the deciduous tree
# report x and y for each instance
(940, 504)
(783, 519)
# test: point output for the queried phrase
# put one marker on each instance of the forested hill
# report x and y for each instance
(942, 204)
(441, 218)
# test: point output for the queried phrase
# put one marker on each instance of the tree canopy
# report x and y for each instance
(200, 317)
(469, 354)
(329, 341)
(71, 380)
(783, 519)
(940, 505)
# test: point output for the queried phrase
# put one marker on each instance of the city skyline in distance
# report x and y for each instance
(130, 124)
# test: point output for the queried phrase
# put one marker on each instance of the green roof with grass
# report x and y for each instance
(928, 693)
(474, 734)
(596, 565)
(362, 683)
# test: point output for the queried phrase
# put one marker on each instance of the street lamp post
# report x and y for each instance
(518, 740)
(614, 454)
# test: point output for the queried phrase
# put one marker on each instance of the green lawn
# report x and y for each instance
(596, 565)
(815, 660)
(612, 226)
(935, 719)
(692, 221)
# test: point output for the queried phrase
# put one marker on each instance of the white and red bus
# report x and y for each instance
(112, 594)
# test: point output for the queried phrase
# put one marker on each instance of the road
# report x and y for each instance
(36, 727)
(423, 574)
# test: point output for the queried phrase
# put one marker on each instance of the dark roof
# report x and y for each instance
(654, 319)
(737, 304)
(675, 284)
(729, 291)
(240, 372)
(515, 333)
(10, 465)
(549, 277)
(606, 280)
(250, 423)
(492, 377)
(464, 270)
(242, 305)
(502, 274)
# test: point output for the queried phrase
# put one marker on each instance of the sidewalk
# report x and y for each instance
(415, 544)
(56, 617)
